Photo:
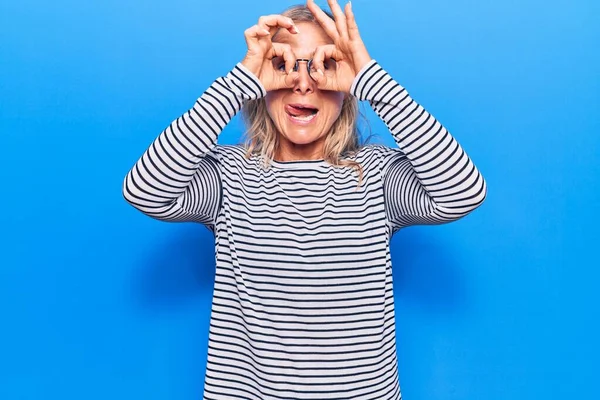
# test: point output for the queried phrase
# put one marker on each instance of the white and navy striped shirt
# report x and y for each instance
(303, 302)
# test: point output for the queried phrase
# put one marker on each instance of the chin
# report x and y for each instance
(304, 131)
(303, 135)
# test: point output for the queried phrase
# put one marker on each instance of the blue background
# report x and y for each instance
(98, 301)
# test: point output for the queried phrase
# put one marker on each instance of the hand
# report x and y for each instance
(348, 49)
(261, 51)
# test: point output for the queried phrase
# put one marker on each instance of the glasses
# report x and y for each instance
(329, 66)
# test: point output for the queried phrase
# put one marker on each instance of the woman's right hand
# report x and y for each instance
(261, 51)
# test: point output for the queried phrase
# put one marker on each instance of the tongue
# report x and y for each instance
(301, 112)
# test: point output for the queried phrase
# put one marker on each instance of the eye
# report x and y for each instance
(329, 64)
(279, 64)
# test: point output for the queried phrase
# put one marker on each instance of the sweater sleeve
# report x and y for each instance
(429, 179)
(177, 178)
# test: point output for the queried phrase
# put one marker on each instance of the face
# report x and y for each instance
(303, 114)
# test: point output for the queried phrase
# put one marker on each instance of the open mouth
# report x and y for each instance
(301, 112)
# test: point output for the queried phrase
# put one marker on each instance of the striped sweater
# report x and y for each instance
(303, 301)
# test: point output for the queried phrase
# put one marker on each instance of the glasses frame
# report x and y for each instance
(308, 66)
(309, 63)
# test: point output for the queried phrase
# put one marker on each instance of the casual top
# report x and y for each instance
(303, 301)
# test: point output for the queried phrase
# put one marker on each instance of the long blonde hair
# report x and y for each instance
(343, 139)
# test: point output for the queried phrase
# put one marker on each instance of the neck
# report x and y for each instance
(289, 151)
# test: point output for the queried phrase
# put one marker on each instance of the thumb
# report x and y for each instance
(283, 63)
(324, 66)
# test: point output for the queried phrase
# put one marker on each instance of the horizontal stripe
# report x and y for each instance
(303, 303)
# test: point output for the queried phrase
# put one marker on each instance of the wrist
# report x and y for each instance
(354, 88)
(251, 80)
(359, 63)
(251, 66)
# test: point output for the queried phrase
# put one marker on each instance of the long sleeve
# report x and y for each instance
(429, 179)
(177, 178)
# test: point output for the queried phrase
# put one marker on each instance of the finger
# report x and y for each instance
(318, 65)
(284, 79)
(321, 54)
(324, 75)
(353, 33)
(276, 21)
(253, 33)
(285, 51)
(289, 80)
(323, 19)
(321, 80)
(340, 18)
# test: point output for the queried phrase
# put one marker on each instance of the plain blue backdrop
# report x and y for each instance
(98, 301)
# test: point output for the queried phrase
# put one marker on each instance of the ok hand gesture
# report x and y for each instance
(261, 51)
(348, 50)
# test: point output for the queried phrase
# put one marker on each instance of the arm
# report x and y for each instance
(430, 179)
(177, 178)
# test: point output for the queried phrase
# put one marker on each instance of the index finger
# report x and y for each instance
(325, 52)
(285, 52)
(323, 19)
(340, 18)
(275, 21)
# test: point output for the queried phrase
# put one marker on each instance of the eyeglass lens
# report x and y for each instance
(329, 66)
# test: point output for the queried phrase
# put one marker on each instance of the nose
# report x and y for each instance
(303, 83)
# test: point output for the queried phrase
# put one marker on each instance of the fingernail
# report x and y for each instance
(266, 31)
(296, 30)
(320, 71)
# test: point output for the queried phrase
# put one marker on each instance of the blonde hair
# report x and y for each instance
(343, 139)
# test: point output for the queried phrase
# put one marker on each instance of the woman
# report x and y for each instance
(302, 216)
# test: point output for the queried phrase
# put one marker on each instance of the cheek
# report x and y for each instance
(274, 103)
(334, 104)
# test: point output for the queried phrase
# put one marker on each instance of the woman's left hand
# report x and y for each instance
(348, 49)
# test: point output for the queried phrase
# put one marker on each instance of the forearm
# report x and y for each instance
(444, 171)
(166, 170)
